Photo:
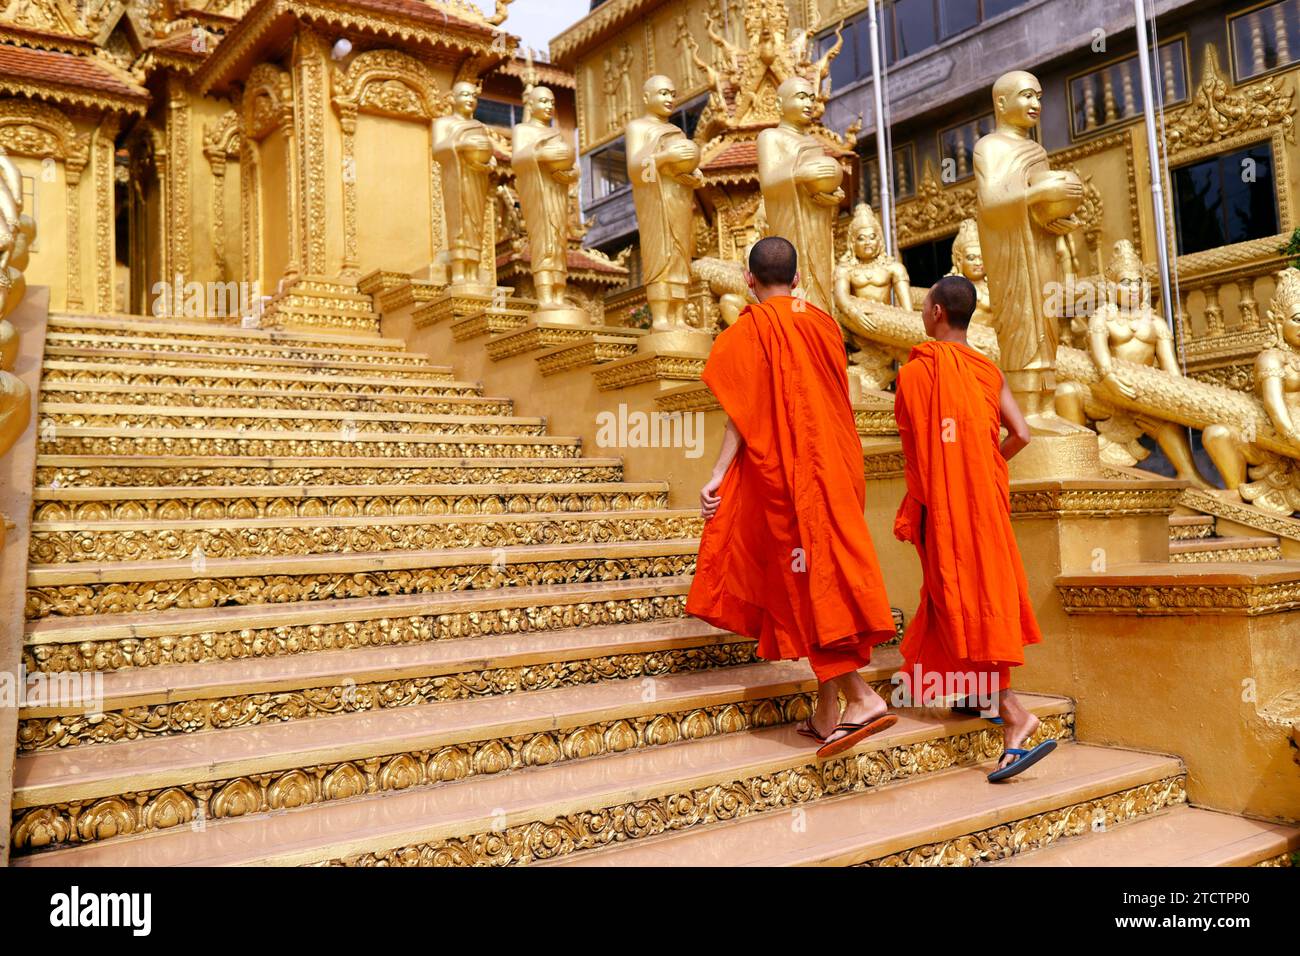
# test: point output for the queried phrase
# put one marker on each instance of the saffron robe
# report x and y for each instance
(787, 557)
(974, 613)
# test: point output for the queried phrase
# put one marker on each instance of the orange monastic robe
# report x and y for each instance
(975, 614)
(787, 557)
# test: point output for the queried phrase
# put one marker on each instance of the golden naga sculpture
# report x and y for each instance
(968, 261)
(462, 147)
(16, 233)
(866, 273)
(1023, 206)
(1237, 449)
(1126, 327)
(544, 162)
(800, 182)
(663, 167)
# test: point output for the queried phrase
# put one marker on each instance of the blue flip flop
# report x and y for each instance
(975, 712)
(1024, 760)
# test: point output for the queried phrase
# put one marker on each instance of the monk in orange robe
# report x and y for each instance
(786, 556)
(974, 618)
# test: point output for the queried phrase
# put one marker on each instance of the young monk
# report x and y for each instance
(786, 556)
(974, 619)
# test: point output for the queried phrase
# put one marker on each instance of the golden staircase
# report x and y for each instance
(350, 610)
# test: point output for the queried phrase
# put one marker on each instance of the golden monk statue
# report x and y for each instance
(463, 149)
(662, 165)
(1274, 479)
(800, 182)
(1023, 207)
(1127, 328)
(544, 163)
(968, 261)
(866, 273)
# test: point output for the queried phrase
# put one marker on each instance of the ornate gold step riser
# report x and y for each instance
(380, 474)
(1041, 830)
(1234, 555)
(364, 444)
(197, 591)
(288, 402)
(117, 723)
(377, 506)
(781, 791)
(78, 325)
(388, 630)
(126, 814)
(70, 547)
(438, 384)
(63, 342)
(288, 423)
(235, 364)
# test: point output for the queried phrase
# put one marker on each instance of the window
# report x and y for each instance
(1265, 39)
(496, 113)
(957, 147)
(686, 118)
(906, 27)
(1225, 199)
(928, 262)
(903, 174)
(1109, 95)
(608, 167)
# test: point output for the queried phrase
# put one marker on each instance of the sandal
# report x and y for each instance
(855, 734)
(1023, 760)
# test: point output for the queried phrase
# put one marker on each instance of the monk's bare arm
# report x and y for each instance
(1017, 428)
(709, 497)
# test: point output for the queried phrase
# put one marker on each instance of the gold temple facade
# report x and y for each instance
(339, 506)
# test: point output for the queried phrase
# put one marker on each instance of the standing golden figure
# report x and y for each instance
(1023, 207)
(545, 165)
(800, 182)
(463, 150)
(663, 167)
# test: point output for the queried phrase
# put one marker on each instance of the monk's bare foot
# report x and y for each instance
(1018, 725)
(826, 715)
(861, 704)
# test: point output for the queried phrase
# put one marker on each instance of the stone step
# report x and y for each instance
(321, 366)
(205, 471)
(951, 818)
(185, 699)
(434, 382)
(267, 399)
(175, 328)
(119, 587)
(1187, 527)
(91, 505)
(77, 415)
(61, 543)
(1228, 548)
(1181, 836)
(448, 772)
(99, 342)
(236, 443)
(113, 641)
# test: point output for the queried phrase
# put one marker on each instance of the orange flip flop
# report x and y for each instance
(856, 734)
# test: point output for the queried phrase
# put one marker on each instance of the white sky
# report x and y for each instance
(535, 22)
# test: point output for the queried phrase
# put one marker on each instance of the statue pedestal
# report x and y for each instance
(679, 341)
(563, 315)
(1057, 449)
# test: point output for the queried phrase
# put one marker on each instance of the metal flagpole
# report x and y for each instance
(1153, 152)
(886, 212)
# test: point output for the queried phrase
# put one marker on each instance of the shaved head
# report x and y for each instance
(773, 261)
(792, 85)
(956, 294)
(657, 83)
(1009, 84)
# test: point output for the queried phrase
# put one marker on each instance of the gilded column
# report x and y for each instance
(178, 218)
(310, 98)
(348, 123)
(78, 156)
(103, 151)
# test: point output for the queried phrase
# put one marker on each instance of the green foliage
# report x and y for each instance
(1292, 249)
(639, 318)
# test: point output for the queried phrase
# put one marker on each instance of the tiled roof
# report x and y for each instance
(420, 11)
(46, 67)
(743, 153)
